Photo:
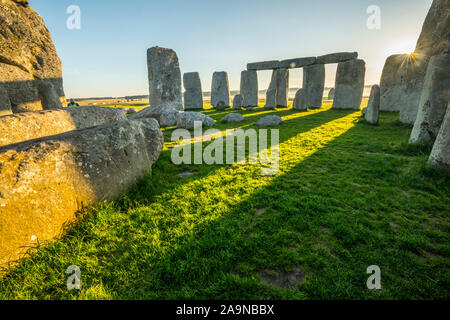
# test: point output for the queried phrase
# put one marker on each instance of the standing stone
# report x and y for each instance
(433, 101)
(349, 86)
(271, 94)
(49, 97)
(300, 101)
(5, 104)
(440, 155)
(331, 94)
(249, 88)
(193, 96)
(27, 54)
(314, 84)
(373, 107)
(164, 76)
(220, 89)
(282, 87)
(237, 102)
(45, 182)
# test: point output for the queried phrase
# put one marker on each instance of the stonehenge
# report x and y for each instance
(314, 84)
(249, 88)
(440, 154)
(237, 102)
(373, 107)
(164, 76)
(349, 86)
(193, 96)
(433, 100)
(71, 170)
(300, 102)
(220, 89)
(25, 126)
(277, 94)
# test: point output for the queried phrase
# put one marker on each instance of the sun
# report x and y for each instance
(405, 45)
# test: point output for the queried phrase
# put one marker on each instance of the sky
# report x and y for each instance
(107, 55)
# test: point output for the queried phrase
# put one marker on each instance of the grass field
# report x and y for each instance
(348, 195)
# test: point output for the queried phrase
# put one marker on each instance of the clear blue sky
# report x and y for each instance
(107, 57)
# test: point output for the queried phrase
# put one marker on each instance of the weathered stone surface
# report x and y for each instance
(433, 101)
(271, 95)
(234, 117)
(237, 102)
(33, 125)
(193, 96)
(297, 62)
(314, 84)
(44, 182)
(186, 120)
(220, 106)
(166, 113)
(331, 94)
(49, 96)
(349, 86)
(269, 121)
(27, 55)
(5, 104)
(220, 90)
(401, 85)
(164, 76)
(373, 107)
(277, 93)
(265, 65)
(440, 155)
(300, 101)
(249, 88)
(337, 57)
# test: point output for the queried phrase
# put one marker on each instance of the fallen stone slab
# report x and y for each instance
(5, 104)
(297, 62)
(187, 120)
(166, 113)
(440, 155)
(337, 57)
(237, 102)
(37, 124)
(349, 86)
(269, 121)
(193, 96)
(300, 101)
(264, 65)
(314, 85)
(373, 108)
(233, 117)
(164, 76)
(220, 91)
(249, 88)
(433, 101)
(44, 182)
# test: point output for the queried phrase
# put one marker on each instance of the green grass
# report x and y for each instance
(348, 195)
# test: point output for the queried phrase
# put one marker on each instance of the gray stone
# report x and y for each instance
(433, 101)
(440, 155)
(300, 101)
(48, 180)
(234, 117)
(5, 104)
(220, 106)
(193, 96)
(265, 65)
(269, 121)
(277, 93)
(249, 88)
(237, 102)
(220, 89)
(331, 94)
(337, 57)
(49, 96)
(164, 76)
(25, 126)
(349, 86)
(166, 113)
(314, 85)
(401, 86)
(364, 111)
(297, 62)
(187, 120)
(373, 107)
